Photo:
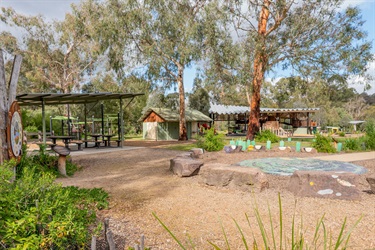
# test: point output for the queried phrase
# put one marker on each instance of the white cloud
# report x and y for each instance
(50, 9)
(357, 81)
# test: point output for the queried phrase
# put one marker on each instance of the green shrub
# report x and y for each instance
(267, 135)
(44, 162)
(37, 213)
(341, 133)
(280, 239)
(369, 138)
(211, 141)
(352, 144)
(323, 144)
(31, 129)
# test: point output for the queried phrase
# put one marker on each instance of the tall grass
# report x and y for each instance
(295, 239)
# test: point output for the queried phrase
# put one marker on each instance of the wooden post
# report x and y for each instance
(12, 89)
(3, 111)
(6, 99)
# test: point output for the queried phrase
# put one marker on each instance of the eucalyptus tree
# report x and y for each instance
(313, 38)
(166, 36)
(57, 54)
(199, 99)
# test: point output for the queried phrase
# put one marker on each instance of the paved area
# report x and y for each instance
(348, 157)
(101, 150)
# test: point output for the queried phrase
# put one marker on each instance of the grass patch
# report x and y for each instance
(134, 137)
(182, 147)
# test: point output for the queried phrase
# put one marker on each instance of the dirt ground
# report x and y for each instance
(139, 183)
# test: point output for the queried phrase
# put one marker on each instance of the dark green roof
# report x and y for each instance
(169, 115)
(37, 99)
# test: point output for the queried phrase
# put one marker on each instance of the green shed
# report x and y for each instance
(163, 123)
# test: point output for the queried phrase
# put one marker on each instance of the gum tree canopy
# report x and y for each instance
(317, 39)
(163, 37)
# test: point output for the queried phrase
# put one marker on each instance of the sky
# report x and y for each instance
(56, 9)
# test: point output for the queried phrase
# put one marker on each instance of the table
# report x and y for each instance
(108, 141)
(96, 136)
(64, 138)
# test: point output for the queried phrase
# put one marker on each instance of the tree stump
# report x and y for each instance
(63, 153)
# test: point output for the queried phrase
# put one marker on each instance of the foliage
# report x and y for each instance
(37, 213)
(267, 135)
(369, 138)
(164, 36)
(44, 162)
(341, 133)
(57, 55)
(199, 99)
(323, 144)
(352, 144)
(210, 141)
(272, 239)
(314, 38)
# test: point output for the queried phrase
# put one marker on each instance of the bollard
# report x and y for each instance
(289, 139)
(244, 147)
(339, 147)
(281, 143)
(298, 146)
(268, 146)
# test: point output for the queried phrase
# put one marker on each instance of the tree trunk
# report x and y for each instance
(260, 66)
(182, 123)
(12, 90)
(3, 111)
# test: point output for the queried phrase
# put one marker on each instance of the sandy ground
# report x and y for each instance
(139, 183)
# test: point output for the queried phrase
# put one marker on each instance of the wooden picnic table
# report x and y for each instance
(65, 138)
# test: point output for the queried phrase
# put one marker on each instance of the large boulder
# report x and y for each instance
(224, 175)
(371, 180)
(185, 166)
(322, 184)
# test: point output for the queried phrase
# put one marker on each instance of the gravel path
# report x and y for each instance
(139, 183)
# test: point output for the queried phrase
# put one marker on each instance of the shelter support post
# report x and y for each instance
(102, 110)
(50, 125)
(122, 124)
(44, 121)
(228, 122)
(69, 121)
(86, 128)
(308, 124)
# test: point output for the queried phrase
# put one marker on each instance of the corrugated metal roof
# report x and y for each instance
(37, 99)
(169, 115)
(230, 109)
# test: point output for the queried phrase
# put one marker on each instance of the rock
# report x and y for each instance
(238, 149)
(371, 180)
(230, 148)
(185, 166)
(322, 184)
(184, 155)
(309, 150)
(223, 175)
(197, 153)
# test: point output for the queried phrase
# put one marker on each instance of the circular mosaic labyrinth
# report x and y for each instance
(286, 166)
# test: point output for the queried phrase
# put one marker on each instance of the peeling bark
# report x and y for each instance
(182, 122)
(260, 65)
(3, 111)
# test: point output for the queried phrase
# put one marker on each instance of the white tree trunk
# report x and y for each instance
(3, 111)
